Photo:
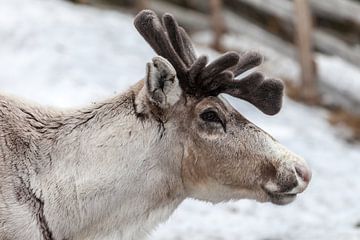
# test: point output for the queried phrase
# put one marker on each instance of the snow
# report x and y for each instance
(340, 75)
(56, 53)
(60, 48)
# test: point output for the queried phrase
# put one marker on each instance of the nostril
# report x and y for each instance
(303, 172)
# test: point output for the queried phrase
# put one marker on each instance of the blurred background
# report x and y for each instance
(67, 54)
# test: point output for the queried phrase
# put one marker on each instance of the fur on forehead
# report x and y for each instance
(200, 79)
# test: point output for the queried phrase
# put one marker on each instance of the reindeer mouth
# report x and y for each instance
(280, 198)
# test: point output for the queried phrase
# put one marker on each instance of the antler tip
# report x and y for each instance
(269, 96)
(233, 53)
(168, 16)
(255, 57)
(144, 16)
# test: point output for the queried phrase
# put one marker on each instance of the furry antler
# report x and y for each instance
(199, 79)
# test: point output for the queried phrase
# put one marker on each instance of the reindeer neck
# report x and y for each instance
(111, 172)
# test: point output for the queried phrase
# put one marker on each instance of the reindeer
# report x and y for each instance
(116, 169)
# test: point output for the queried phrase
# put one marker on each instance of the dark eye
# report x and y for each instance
(210, 116)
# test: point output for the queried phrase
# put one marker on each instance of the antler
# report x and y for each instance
(199, 79)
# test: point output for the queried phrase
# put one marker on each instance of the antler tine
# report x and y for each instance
(265, 94)
(198, 66)
(244, 86)
(149, 26)
(183, 48)
(268, 96)
(247, 61)
(189, 47)
(220, 64)
(215, 85)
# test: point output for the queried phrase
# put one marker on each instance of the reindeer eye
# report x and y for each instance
(210, 116)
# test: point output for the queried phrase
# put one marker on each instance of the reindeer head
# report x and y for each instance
(224, 155)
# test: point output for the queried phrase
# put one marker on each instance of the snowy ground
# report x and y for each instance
(55, 53)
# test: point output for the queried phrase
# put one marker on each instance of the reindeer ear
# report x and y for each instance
(161, 82)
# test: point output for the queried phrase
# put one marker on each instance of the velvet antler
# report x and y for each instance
(199, 79)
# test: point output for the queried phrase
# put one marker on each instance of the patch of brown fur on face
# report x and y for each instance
(198, 165)
(236, 171)
(191, 169)
(268, 171)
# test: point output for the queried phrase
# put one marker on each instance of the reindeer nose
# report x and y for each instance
(303, 172)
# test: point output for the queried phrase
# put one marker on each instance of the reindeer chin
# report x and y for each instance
(279, 198)
(282, 199)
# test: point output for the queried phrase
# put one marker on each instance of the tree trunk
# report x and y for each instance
(303, 23)
(218, 25)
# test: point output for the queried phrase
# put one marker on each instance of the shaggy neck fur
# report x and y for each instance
(105, 172)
